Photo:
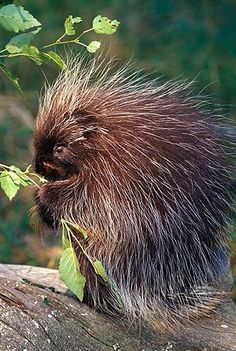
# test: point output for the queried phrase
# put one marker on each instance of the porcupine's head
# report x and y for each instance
(69, 128)
(137, 164)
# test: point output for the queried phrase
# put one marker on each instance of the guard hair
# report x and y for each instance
(139, 165)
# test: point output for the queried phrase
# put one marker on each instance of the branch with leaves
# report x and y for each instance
(12, 178)
(16, 19)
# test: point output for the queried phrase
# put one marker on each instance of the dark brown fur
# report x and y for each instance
(140, 168)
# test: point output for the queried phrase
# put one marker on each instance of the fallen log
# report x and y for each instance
(36, 313)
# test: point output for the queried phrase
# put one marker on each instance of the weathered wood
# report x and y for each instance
(34, 318)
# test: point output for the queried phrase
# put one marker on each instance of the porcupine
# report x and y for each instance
(139, 166)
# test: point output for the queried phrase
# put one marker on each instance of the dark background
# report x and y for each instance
(193, 40)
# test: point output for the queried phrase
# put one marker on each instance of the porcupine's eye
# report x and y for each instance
(59, 150)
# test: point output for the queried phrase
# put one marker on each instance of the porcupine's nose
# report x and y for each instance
(48, 169)
(43, 167)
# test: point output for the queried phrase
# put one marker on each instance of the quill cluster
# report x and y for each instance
(139, 166)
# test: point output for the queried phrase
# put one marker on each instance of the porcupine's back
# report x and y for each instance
(149, 183)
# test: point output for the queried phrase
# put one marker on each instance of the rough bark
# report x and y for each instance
(34, 318)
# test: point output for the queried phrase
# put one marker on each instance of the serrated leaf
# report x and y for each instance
(16, 19)
(19, 176)
(53, 56)
(33, 53)
(16, 44)
(93, 46)
(13, 79)
(69, 24)
(76, 20)
(15, 177)
(8, 185)
(102, 25)
(100, 270)
(69, 270)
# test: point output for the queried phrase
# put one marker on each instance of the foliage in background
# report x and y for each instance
(14, 18)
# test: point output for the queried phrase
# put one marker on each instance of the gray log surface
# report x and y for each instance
(34, 318)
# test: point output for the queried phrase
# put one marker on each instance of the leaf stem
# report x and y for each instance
(14, 55)
(22, 172)
(4, 166)
(34, 175)
(84, 32)
(81, 44)
(75, 40)
(61, 37)
(33, 182)
(58, 43)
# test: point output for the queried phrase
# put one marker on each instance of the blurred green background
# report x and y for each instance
(183, 39)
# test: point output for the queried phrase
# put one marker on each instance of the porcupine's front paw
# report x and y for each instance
(46, 199)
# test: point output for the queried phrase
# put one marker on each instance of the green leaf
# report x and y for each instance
(8, 184)
(66, 242)
(33, 53)
(13, 79)
(69, 24)
(15, 177)
(16, 44)
(53, 56)
(100, 270)
(19, 176)
(102, 25)
(93, 46)
(23, 175)
(16, 19)
(14, 168)
(76, 20)
(69, 270)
